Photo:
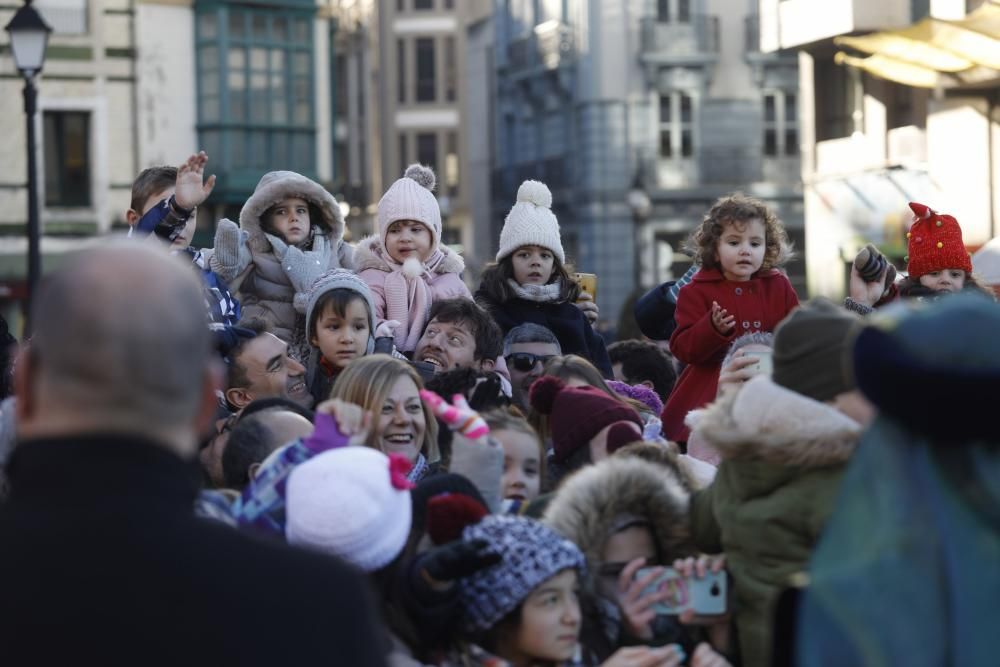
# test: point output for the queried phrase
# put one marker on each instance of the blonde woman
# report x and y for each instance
(389, 389)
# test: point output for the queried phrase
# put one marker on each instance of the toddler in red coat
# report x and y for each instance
(737, 290)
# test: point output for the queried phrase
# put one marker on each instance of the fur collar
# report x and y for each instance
(766, 422)
(369, 254)
(593, 500)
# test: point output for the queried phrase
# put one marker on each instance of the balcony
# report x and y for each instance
(548, 47)
(680, 43)
(805, 22)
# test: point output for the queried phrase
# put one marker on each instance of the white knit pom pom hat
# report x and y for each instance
(531, 222)
(352, 502)
(411, 198)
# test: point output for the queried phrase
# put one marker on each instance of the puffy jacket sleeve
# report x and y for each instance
(345, 255)
(451, 286)
(375, 280)
(705, 531)
(695, 341)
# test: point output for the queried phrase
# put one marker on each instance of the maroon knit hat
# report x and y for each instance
(576, 414)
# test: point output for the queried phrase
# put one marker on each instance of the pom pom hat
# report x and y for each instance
(411, 198)
(934, 243)
(531, 222)
(577, 414)
(531, 553)
(352, 502)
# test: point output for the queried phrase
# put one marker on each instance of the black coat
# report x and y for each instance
(103, 563)
(565, 320)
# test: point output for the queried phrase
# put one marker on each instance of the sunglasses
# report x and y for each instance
(525, 361)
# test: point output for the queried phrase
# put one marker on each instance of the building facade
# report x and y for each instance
(131, 84)
(877, 133)
(639, 115)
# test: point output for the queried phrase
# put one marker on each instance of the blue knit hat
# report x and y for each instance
(531, 552)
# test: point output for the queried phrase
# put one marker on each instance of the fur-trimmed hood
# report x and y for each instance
(763, 421)
(277, 185)
(592, 501)
(370, 254)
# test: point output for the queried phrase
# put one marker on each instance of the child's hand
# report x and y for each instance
(302, 268)
(190, 191)
(459, 416)
(705, 656)
(386, 329)
(585, 302)
(737, 371)
(636, 605)
(671, 655)
(864, 293)
(697, 569)
(722, 320)
(352, 420)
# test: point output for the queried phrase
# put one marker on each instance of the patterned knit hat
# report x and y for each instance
(531, 552)
(576, 414)
(411, 198)
(934, 243)
(352, 502)
(341, 279)
(531, 222)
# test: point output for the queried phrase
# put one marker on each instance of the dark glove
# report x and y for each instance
(226, 338)
(458, 559)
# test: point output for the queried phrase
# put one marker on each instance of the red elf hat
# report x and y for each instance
(934, 243)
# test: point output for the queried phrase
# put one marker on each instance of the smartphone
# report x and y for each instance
(765, 362)
(706, 596)
(587, 283)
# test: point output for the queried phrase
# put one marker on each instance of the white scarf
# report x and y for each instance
(550, 293)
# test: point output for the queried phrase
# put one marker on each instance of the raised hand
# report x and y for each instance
(722, 320)
(586, 303)
(191, 189)
(458, 415)
(352, 420)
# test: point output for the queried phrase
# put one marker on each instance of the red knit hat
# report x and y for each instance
(576, 414)
(934, 243)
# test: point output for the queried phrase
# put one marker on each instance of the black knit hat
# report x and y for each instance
(812, 350)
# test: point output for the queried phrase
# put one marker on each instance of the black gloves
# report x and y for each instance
(458, 559)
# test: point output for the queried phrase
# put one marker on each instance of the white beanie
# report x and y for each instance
(531, 222)
(352, 502)
(411, 198)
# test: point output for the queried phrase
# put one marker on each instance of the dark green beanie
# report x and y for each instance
(812, 350)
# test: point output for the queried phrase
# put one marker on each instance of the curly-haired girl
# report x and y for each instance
(737, 290)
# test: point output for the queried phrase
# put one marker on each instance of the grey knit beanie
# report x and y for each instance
(341, 279)
(812, 350)
(531, 553)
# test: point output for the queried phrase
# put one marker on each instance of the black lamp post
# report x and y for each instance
(29, 35)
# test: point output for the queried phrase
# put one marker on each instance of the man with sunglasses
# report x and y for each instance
(526, 349)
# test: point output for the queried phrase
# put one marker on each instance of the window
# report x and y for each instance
(781, 124)
(673, 11)
(423, 4)
(401, 69)
(67, 158)
(676, 126)
(255, 90)
(427, 153)
(837, 100)
(67, 17)
(450, 65)
(426, 80)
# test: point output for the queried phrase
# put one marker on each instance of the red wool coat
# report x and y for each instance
(758, 304)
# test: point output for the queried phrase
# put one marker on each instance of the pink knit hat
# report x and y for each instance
(411, 198)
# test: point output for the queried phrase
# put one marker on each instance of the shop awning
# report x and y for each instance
(932, 52)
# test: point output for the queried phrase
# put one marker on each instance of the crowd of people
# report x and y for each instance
(292, 449)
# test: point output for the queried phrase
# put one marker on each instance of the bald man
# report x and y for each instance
(103, 560)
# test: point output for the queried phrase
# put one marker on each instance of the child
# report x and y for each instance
(292, 232)
(524, 610)
(405, 266)
(523, 458)
(737, 290)
(340, 326)
(165, 204)
(530, 283)
(937, 263)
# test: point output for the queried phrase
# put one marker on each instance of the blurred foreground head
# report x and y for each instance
(120, 347)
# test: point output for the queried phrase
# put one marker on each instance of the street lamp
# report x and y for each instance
(641, 206)
(29, 35)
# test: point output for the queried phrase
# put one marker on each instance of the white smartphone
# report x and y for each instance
(706, 596)
(765, 362)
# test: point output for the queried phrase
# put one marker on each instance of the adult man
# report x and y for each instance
(254, 437)
(459, 334)
(260, 367)
(107, 563)
(526, 348)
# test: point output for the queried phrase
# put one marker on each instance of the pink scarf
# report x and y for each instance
(408, 299)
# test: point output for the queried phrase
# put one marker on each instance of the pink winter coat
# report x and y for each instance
(409, 306)
(759, 304)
